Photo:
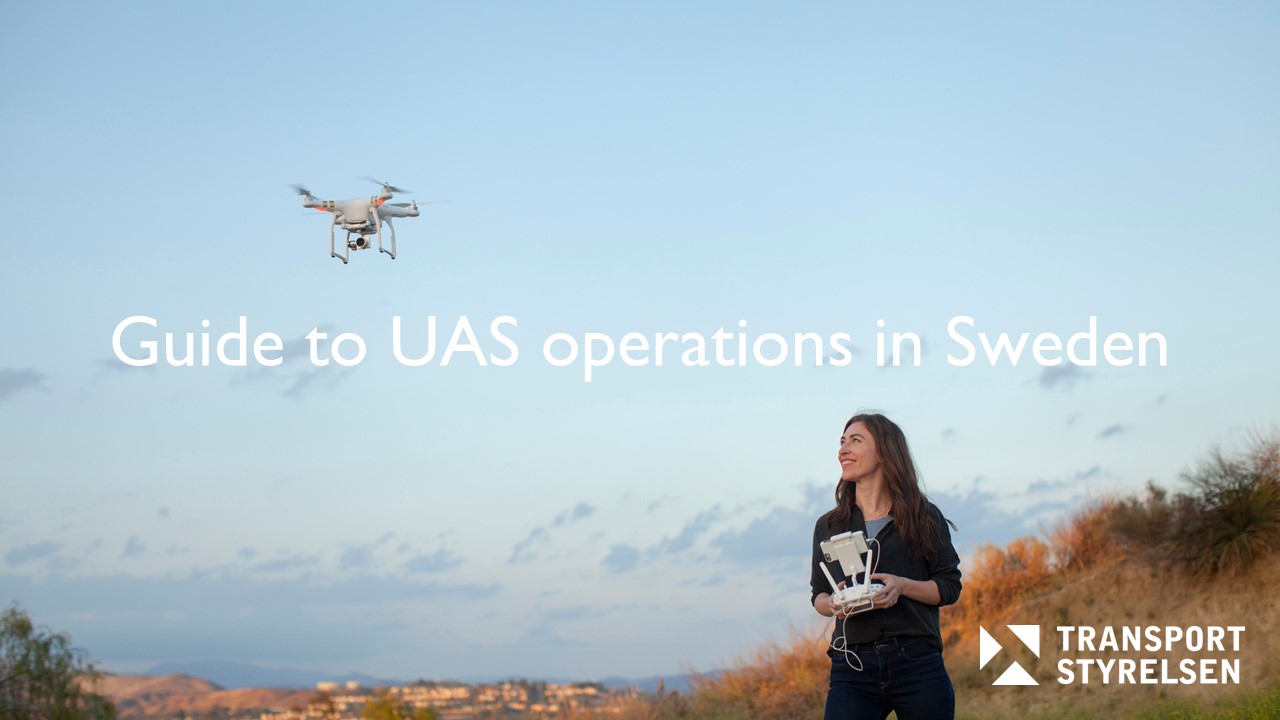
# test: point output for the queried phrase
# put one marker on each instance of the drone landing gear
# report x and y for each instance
(392, 251)
(344, 257)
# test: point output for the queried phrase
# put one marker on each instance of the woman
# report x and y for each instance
(889, 658)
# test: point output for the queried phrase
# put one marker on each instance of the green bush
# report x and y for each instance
(41, 675)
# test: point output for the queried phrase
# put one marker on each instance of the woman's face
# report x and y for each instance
(858, 456)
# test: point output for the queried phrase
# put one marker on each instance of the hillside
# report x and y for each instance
(1130, 592)
(789, 682)
(1153, 563)
(1207, 556)
(138, 695)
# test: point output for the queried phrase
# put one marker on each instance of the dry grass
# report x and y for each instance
(777, 682)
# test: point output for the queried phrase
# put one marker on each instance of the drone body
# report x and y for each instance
(361, 217)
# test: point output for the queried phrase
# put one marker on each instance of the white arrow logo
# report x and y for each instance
(988, 647)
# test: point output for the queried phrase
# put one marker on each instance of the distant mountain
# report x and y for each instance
(142, 696)
(234, 676)
(670, 683)
(155, 686)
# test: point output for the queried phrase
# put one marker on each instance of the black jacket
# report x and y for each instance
(907, 618)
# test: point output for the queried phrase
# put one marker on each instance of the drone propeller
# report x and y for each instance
(302, 190)
(387, 186)
(415, 203)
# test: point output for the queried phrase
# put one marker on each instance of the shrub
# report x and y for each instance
(1000, 576)
(1238, 520)
(1086, 536)
(1141, 522)
(1227, 521)
(41, 675)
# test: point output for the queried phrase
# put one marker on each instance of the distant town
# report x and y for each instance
(457, 700)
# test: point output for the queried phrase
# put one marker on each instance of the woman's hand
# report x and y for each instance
(826, 607)
(895, 587)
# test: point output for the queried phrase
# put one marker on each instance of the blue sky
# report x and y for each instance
(655, 167)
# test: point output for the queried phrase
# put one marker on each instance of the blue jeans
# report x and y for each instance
(905, 675)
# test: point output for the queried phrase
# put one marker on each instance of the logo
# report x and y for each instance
(988, 648)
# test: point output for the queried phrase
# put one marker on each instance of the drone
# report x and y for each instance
(362, 217)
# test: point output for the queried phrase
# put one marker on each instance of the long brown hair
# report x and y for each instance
(909, 506)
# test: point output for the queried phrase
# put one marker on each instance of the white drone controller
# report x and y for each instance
(847, 548)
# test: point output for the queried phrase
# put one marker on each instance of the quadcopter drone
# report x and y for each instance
(362, 217)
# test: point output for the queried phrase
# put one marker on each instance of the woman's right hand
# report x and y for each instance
(829, 608)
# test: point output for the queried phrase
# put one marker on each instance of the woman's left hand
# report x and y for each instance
(894, 587)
